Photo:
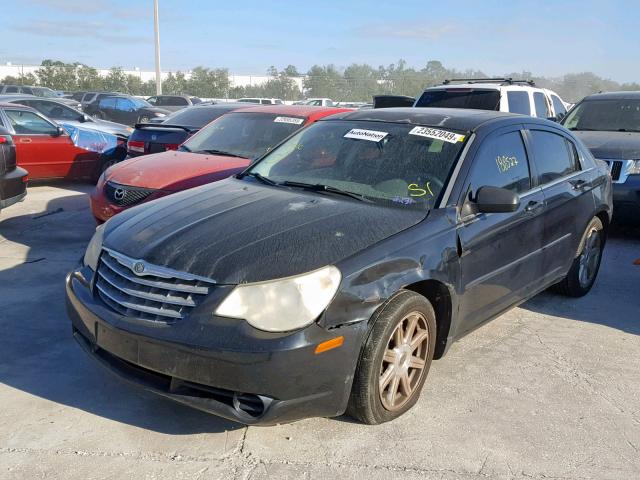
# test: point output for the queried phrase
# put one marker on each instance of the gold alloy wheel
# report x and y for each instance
(404, 360)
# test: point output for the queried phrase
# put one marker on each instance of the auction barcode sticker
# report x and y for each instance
(371, 135)
(293, 120)
(437, 134)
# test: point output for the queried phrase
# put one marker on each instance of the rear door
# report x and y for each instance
(541, 104)
(42, 151)
(566, 188)
(500, 252)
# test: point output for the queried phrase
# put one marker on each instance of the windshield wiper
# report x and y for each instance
(318, 187)
(257, 176)
(213, 151)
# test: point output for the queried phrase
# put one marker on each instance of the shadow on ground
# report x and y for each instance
(40, 241)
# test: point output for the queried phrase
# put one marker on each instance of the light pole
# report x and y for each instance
(156, 29)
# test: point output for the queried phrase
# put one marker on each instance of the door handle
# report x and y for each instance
(25, 140)
(533, 206)
(578, 184)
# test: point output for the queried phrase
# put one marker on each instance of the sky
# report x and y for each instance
(547, 38)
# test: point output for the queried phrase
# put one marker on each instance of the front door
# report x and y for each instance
(500, 252)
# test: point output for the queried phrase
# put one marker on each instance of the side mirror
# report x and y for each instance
(85, 118)
(496, 200)
(59, 132)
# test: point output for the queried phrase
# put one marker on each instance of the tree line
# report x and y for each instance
(356, 82)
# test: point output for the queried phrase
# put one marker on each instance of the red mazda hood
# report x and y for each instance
(174, 171)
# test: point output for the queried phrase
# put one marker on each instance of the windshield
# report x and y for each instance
(397, 164)
(44, 92)
(605, 115)
(247, 135)
(460, 98)
(139, 103)
(195, 117)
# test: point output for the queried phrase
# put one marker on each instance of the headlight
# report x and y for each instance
(92, 254)
(158, 114)
(284, 304)
(634, 168)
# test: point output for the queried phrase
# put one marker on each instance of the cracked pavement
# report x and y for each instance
(550, 390)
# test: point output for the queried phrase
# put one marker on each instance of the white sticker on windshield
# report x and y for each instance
(437, 134)
(371, 135)
(293, 120)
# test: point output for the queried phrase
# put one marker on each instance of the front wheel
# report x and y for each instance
(395, 359)
(584, 269)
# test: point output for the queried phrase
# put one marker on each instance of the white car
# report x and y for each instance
(262, 101)
(317, 102)
(502, 94)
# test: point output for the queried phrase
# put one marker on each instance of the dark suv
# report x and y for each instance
(609, 125)
(13, 179)
(329, 274)
(125, 109)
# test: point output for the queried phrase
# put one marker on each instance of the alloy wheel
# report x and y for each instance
(590, 258)
(404, 361)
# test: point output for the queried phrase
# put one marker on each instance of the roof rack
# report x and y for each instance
(501, 80)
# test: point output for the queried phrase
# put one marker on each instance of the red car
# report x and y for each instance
(224, 147)
(46, 150)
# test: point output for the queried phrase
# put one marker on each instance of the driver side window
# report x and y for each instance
(124, 105)
(28, 123)
(501, 162)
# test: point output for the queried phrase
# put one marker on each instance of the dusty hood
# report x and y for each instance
(235, 231)
(171, 170)
(611, 145)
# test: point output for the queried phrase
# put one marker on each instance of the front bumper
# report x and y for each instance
(626, 199)
(241, 374)
(101, 208)
(13, 188)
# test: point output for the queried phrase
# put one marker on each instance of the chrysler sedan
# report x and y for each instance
(326, 277)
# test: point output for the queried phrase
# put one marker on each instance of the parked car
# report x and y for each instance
(175, 129)
(125, 109)
(348, 257)
(317, 102)
(13, 179)
(48, 150)
(173, 102)
(94, 97)
(262, 101)
(38, 92)
(502, 94)
(58, 111)
(224, 147)
(609, 125)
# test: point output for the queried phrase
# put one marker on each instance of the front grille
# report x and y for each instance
(125, 195)
(616, 169)
(153, 293)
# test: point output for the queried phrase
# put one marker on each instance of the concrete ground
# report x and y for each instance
(550, 390)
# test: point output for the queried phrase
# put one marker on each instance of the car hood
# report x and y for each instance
(236, 231)
(611, 145)
(170, 170)
(103, 126)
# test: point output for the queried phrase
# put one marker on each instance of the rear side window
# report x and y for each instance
(175, 101)
(540, 102)
(519, 102)
(501, 162)
(265, 102)
(11, 90)
(555, 156)
(460, 98)
(558, 106)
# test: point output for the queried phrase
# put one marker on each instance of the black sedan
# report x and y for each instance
(124, 109)
(327, 276)
(175, 129)
(609, 125)
(13, 179)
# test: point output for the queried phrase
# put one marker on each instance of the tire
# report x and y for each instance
(380, 363)
(584, 269)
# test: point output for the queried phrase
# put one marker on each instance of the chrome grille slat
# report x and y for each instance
(157, 311)
(144, 295)
(151, 293)
(126, 273)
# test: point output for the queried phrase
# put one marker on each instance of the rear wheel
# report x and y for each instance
(584, 269)
(395, 359)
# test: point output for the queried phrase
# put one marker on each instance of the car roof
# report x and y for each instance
(451, 118)
(16, 105)
(295, 110)
(625, 95)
